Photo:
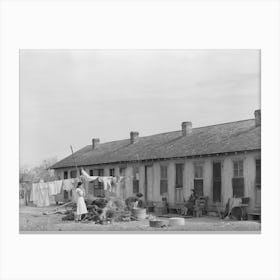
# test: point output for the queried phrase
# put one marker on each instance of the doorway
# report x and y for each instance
(217, 182)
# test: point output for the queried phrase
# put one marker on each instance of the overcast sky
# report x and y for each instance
(69, 97)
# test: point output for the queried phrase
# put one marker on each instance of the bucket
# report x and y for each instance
(139, 213)
(157, 223)
(176, 221)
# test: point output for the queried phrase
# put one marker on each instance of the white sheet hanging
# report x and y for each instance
(87, 177)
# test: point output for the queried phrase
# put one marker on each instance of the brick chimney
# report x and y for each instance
(134, 135)
(95, 143)
(258, 117)
(186, 128)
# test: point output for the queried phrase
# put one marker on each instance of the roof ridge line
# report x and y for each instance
(162, 133)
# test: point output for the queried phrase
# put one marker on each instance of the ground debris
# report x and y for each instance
(103, 211)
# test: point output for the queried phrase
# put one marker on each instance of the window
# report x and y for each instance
(98, 186)
(198, 178)
(100, 172)
(135, 179)
(122, 171)
(198, 171)
(73, 174)
(238, 168)
(65, 175)
(179, 176)
(92, 185)
(112, 172)
(163, 179)
(238, 180)
(258, 173)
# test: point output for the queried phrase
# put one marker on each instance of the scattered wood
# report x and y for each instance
(57, 209)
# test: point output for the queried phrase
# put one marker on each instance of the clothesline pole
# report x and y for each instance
(74, 160)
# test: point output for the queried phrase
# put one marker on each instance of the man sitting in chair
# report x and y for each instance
(189, 205)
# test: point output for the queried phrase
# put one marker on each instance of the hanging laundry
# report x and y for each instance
(107, 182)
(43, 195)
(58, 186)
(68, 184)
(52, 188)
(87, 177)
(34, 193)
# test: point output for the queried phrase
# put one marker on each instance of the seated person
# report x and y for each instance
(189, 205)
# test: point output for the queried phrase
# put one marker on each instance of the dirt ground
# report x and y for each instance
(31, 219)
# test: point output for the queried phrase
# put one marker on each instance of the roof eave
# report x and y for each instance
(161, 159)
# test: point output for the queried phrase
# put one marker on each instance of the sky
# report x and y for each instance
(68, 97)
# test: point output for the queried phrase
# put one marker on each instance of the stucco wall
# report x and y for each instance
(250, 175)
(128, 181)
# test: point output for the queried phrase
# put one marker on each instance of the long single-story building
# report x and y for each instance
(218, 161)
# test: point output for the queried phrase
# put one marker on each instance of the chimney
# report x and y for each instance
(95, 143)
(186, 128)
(134, 135)
(258, 117)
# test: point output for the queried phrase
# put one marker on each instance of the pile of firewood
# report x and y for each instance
(104, 211)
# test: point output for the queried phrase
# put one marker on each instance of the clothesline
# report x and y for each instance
(93, 178)
(41, 191)
(108, 181)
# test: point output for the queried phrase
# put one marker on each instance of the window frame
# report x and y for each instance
(198, 180)
(238, 176)
(73, 172)
(112, 172)
(196, 165)
(238, 169)
(122, 171)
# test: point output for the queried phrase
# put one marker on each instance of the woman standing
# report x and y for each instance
(81, 206)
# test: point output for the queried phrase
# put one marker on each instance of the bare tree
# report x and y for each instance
(41, 171)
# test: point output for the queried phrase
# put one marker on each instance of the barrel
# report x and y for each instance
(176, 221)
(139, 213)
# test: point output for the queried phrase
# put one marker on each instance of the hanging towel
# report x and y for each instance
(87, 177)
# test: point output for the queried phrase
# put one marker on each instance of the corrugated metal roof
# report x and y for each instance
(220, 138)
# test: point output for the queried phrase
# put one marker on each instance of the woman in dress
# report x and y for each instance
(81, 206)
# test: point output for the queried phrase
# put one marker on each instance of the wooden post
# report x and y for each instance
(74, 160)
